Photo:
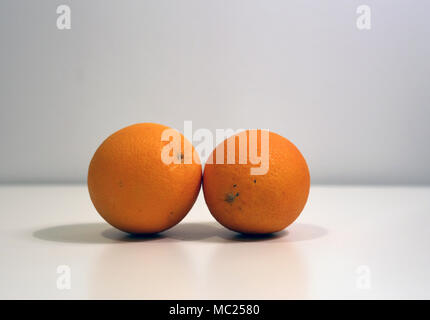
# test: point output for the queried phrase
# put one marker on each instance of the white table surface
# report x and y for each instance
(350, 242)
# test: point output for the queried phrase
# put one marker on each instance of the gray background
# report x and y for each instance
(355, 102)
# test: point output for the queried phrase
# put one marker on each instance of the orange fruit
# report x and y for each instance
(250, 203)
(133, 189)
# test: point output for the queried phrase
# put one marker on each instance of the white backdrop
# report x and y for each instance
(356, 103)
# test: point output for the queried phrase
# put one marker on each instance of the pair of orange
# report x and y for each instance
(136, 192)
